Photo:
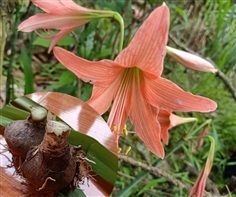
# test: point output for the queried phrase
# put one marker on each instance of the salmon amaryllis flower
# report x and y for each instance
(62, 15)
(133, 82)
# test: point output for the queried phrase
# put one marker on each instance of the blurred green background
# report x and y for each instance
(205, 27)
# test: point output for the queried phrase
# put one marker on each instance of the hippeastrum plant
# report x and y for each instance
(133, 82)
(65, 16)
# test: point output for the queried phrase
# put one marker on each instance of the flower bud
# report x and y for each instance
(191, 61)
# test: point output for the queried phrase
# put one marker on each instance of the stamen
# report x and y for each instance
(49, 35)
(115, 128)
(125, 131)
(127, 150)
(119, 150)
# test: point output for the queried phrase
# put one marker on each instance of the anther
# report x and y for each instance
(119, 150)
(127, 150)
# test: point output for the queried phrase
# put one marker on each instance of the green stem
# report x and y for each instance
(120, 20)
(212, 146)
(192, 132)
(10, 79)
(212, 140)
(2, 41)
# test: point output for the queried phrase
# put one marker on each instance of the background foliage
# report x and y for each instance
(205, 27)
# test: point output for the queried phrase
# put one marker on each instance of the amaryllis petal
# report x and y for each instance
(190, 61)
(103, 72)
(165, 134)
(70, 4)
(49, 21)
(122, 102)
(47, 5)
(144, 118)
(119, 114)
(101, 98)
(165, 123)
(147, 48)
(165, 94)
(58, 37)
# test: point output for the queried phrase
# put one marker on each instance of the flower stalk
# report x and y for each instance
(10, 78)
(200, 184)
(193, 131)
(2, 37)
(120, 20)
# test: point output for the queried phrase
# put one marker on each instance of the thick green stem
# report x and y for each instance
(10, 79)
(2, 40)
(119, 18)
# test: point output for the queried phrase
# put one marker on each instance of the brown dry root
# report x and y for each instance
(50, 166)
(21, 135)
(83, 167)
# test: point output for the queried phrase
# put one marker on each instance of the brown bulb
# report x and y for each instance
(21, 135)
(50, 166)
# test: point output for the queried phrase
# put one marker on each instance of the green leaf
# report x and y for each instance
(117, 6)
(24, 103)
(28, 72)
(67, 77)
(13, 113)
(76, 193)
(66, 89)
(151, 184)
(103, 162)
(127, 191)
(4, 121)
(42, 42)
(65, 41)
